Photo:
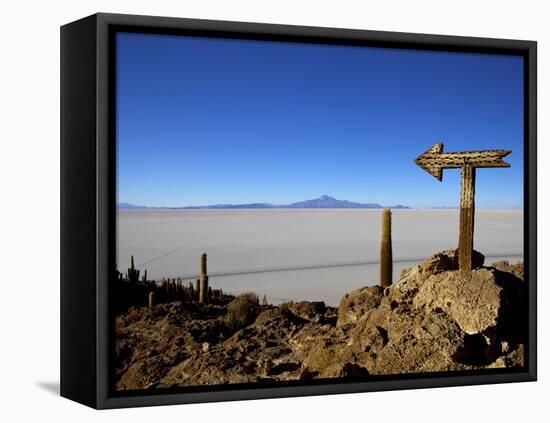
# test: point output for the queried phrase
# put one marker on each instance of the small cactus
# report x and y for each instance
(203, 293)
(264, 300)
(151, 300)
(386, 260)
(133, 273)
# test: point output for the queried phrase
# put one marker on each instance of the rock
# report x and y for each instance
(306, 374)
(352, 371)
(312, 335)
(281, 316)
(419, 343)
(412, 279)
(357, 303)
(408, 285)
(514, 359)
(473, 299)
(309, 310)
(283, 367)
(435, 318)
(505, 266)
(327, 360)
(448, 260)
(368, 338)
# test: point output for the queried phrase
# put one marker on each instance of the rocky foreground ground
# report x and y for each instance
(436, 318)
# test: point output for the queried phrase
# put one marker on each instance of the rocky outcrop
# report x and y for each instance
(471, 299)
(505, 266)
(309, 310)
(358, 303)
(448, 260)
(435, 318)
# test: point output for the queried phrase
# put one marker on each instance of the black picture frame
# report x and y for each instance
(88, 202)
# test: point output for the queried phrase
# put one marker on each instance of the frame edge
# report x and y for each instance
(104, 22)
(78, 212)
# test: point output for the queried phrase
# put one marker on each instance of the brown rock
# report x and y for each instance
(472, 299)
(367, 338)
(309, 310)
(352, 371)
(505, 266)
(357, 303)
(435, 318)
(419, 343)
(514, 359)
(448, 260)
(327, 360)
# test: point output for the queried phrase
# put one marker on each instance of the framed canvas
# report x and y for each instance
(259, 211)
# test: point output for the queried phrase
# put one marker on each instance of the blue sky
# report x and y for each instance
(207, 121)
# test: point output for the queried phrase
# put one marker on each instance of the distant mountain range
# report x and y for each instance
(323, 202)
(130, 206)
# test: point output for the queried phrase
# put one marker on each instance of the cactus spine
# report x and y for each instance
(203, 293)
(386, 260)
(151, 300)
(133, 273)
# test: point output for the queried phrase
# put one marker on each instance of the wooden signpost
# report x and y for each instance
(435, 160)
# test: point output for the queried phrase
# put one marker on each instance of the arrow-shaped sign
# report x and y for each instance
(434, 160)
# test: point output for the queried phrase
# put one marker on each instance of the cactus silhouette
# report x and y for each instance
(203, 293)
(133, 273)
(386, 260)
(197, 289)
(264, 300)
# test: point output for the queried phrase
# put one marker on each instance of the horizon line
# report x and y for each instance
(287, 206)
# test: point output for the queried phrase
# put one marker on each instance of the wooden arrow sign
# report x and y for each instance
(434, 161)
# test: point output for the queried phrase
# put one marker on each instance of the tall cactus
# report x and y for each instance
(386, 260)
(133, 273)
(203, 293)
(151, 300)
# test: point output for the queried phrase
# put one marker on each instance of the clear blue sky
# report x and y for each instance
(206, 121)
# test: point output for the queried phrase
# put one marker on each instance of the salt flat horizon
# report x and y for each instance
(299, 254)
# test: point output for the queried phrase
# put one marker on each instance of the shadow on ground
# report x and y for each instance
(51, 387)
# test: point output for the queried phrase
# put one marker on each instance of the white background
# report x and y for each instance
(29, 236)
